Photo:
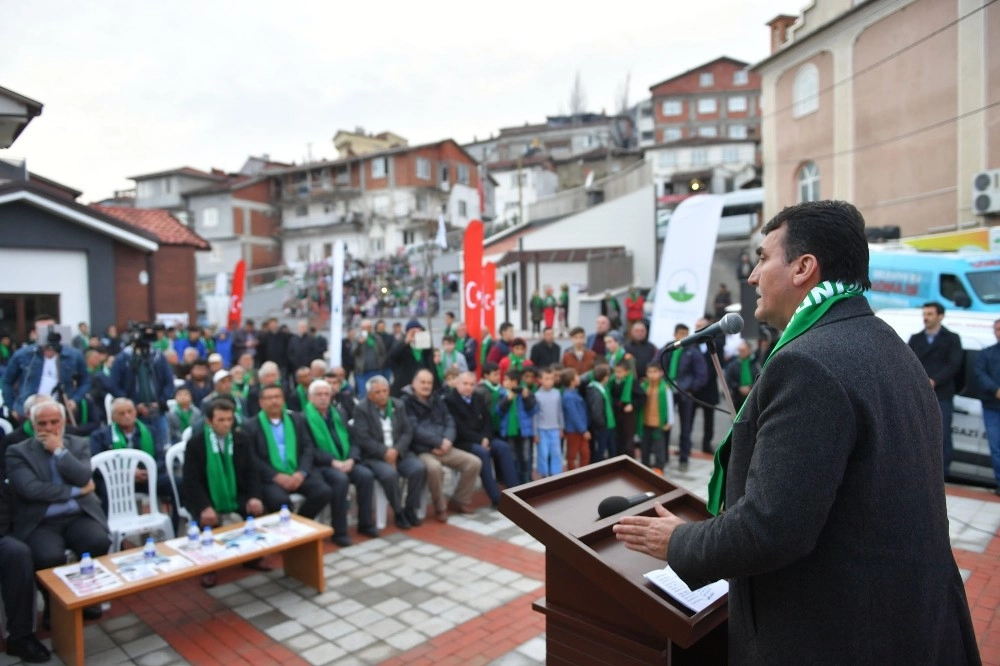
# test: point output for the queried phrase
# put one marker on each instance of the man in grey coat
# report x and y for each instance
(834, 533)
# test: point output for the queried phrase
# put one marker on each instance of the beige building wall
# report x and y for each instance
(992, 116)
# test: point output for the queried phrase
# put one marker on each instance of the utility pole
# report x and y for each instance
(520, 193)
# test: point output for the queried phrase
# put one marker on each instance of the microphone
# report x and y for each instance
(729, 324)
(609, 506)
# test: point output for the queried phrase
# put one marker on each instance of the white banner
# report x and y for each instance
(686, 266)
(337, 305)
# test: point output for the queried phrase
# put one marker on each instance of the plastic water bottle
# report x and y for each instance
(206, 537)
(149, 550)
(193, 534)
(86, 566)
(284, 516)
(249, 527)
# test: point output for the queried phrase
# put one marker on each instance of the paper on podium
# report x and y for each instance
(697, 600)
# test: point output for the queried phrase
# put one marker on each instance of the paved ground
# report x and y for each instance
(458, 593)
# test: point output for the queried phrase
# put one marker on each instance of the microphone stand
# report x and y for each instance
(722, 378)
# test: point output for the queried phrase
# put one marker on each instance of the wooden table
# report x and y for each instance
(302, 559)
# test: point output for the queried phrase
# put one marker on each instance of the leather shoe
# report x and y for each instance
(402, 523)
(341, 540)
(460, 508)
(29, 649)
(369, 532)
(209, 580)
(257, 565)
(412, 518)
(92, 612)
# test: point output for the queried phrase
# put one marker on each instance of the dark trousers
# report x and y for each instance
(500, 455)
(624, 432)
(17, 585)
(604, 444)
(77, 531)
(708, 428)
(685, 408)
(340, 483)
(946, 413)
(407, 467)
(521, 447)
(314, 489)
(653, 447)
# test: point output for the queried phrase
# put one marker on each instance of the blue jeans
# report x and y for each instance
(992, 419)
(549, 452)
(361, 379)
(521, 446)
(604, 444)
(946, 413)
(500, 455)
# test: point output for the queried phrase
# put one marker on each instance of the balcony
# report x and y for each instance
(321, 190)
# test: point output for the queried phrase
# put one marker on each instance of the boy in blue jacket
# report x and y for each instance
(575, 421)
(517, 408)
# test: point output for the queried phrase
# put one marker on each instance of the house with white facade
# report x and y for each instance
(703, 165)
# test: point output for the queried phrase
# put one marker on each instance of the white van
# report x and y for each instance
(971, 462)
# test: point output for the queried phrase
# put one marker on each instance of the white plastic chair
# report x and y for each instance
(174, 459)
(118, 468)
(186, 434)
(6, 426)
(108, 399)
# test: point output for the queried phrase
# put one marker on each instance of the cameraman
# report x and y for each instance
(142, 374)
(47, 367)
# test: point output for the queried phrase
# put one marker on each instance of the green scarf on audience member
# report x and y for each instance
(120, 441)
(339, 447)
(220, 471)
(291, 462)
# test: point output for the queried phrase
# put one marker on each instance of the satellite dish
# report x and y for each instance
(589, 182)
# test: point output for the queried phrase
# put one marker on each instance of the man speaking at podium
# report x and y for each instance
(830, 517)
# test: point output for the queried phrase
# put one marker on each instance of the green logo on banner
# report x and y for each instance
(681, 284)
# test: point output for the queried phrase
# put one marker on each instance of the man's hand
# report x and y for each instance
(283, 481)
(933, 384)
(141, 476)
(411, 335)
(586, 435)
(666, 427)
(255, 507)
(70, 405)
(142, 410)
(745, 391)
(485, 443)
(526, 393)
(627, 408)
(297, 480)
(391, 455)
(536, 439)
(209, 517)
(344, 466)
(88, 488)
(445, 446)
(49, 440)
(648, 535)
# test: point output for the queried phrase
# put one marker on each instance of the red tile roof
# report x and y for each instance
(167, 228)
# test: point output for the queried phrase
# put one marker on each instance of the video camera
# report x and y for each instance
(53, 340)
(142, 335)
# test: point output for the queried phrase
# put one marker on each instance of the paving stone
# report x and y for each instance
(144, 645)
(268, 589)
(238, 599)
(220, 591)
(413, 616)
(252, 609)
(315, 618)
(324, 653)
(391, 606)
(380, 580)
(265, 621)
(119, 622)
(433, 626)
(327, 598)
(345, 608)
(356, 640)
(300, 607)
(526, 584)
(157, 658)
(417, 597)
(437, 605)
(534, 649)
(254, 581)
(386, 627)
(374, 654)
(334, 629)
(130, 633)
(303, 641)
(284, 599)
(349, 589)
(364, 618)
(280, 632)
(115, 655)
(459, 614)
(406, 639)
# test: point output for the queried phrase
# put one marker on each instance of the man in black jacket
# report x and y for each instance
(383, 434)
(642, 350)
(709, 392)
(474, 433)
(940, 352)
(546, 352)
(283, 453)
(434, 442)
(405, 359)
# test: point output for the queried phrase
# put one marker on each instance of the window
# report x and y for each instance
(462, 210)
(699, 156)
(808, 182)
(709, 131)
(647, 136)
(376, 245)
(805, 91)
(707, 105)
(672, 107)
(730, 154)
(343, 176)
(463, 174)
(210, 217)
(301, 211)
(740, 77)
(443, 173)
(706, 79)
(423, 168)
(380, 204)
(646, 111)
(672, 134)
(327, 250)
(167, 185)
(378, 167)
(668, 158)
(737, 131)
(409, 237)
(303, 252)
(421, 203)
(736, 104)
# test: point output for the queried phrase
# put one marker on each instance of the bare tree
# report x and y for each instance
(622, 97)
(577, 97)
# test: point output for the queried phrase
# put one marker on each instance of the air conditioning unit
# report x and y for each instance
(986, 192)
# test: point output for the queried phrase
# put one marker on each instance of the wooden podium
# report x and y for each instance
(598, 607)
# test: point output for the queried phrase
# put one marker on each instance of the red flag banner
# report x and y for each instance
(490, 298)
(473, 278)
(236, 297)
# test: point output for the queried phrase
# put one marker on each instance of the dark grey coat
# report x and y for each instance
(835, 535)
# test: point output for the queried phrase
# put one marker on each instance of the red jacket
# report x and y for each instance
(633, 308)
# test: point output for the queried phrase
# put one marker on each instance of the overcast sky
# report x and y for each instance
(135, 87)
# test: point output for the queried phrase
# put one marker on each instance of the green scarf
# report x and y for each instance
(663, 402)
(460, 345)
(417, 354)
(291, 462)
(162, 344)
(238, 410)
(494, 398)
(609, 413)
(339, 448)
(184, 416)
(484, 348)
(675, 365)
(564, 298)
(819, 299)
(516, 363)
(29, 429)
(84, 411)
(221, 472)
(388, 409)
(303, 397)
(119, 441)
(243, 388)
(549, 302)
(4, 352)
(627, 388)
(513, 424)
(370, 340)
(746, 371)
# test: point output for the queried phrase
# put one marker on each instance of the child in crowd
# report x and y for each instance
(517, 408)
(489, 389)
(182, 414)
(529, 378)
(450, 378)
(516, 359)
(574, 421)
(579, 357)
(549, 425)
(627, 398)
(655, 419)
(602, 414)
